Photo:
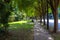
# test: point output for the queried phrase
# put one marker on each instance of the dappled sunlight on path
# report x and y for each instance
(40, 33)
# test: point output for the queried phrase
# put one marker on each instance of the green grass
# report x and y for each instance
(20, 30)
(20, 24)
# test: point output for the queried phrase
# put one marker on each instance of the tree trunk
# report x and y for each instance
(40, 19)
(6, 27)
(47, 21)
(43, 19)
(55, 13)
(47, 17)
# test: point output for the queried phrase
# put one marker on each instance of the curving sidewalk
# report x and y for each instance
(40, 33)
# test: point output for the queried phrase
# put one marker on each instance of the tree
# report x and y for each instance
(47, 16)
(40, 10)
(5, 11)
(27, 6)
(54, 5)
(44, 4)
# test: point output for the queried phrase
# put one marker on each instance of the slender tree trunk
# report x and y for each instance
(5, 30)
(55, 20)
(40, 19)
(47, 17)
(47, 21)
(43, 19)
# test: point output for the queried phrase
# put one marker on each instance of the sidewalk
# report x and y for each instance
(40, 33)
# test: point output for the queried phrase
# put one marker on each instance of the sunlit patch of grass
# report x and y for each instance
(21, 30)
(20, 24)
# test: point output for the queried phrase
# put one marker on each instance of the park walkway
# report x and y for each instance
(40, 33)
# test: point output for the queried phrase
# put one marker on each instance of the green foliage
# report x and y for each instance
(50, 11)
(23, 4)
(7, 6)
(5, 10)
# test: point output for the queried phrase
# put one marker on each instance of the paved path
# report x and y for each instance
(40, 33)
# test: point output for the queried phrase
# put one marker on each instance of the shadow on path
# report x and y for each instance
(40, 33)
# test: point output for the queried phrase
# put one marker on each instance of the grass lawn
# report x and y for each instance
(20, 30)
(20, 24)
